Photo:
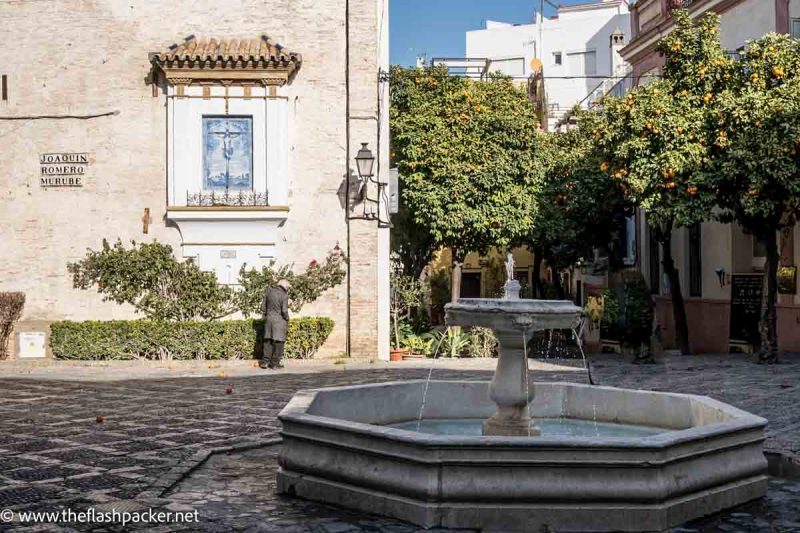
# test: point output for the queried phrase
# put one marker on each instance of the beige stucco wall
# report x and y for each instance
(87, 57)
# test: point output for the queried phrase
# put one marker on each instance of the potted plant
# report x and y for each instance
(418, 347)
(405, 294)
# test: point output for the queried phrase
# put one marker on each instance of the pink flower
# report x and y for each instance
(313, 263)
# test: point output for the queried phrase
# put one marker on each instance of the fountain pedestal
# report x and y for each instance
(511, 389)
(513, 321)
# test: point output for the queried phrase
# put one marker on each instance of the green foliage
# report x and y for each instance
(611, 307)
(460, 342)
(411, 242)
(406, 295)
(11, 305)
(654, 142)
(482, 342)
(305, 287)
(148, 277)
(165, 340)
(627, 313)
(451, 342)
(466, 153)
(400, 334)
(756, 126)
(578, 207)
(418, 344)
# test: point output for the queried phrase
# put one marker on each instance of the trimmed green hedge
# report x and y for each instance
(147, 339)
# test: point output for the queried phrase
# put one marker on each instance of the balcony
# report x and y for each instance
(227, 198)
(648, 14)
(679, 4)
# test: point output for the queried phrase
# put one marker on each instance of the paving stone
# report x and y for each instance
(151, 426)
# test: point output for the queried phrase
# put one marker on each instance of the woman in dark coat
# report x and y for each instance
(275, 307)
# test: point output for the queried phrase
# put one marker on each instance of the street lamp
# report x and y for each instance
(365, 161)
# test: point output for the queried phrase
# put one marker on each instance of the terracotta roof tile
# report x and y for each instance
(232, 49)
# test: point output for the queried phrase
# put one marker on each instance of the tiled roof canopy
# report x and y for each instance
(235, 59)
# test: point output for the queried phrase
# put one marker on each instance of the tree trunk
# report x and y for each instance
(678, 308)
(455, 281)
(536, 282)
(396, 331)
(769, 348)
(557, 284)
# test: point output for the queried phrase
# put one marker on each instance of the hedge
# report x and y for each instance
(162, 340)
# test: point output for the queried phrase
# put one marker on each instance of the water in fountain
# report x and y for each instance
(577, 336)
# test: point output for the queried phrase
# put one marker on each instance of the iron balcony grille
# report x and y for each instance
(680, 4)
(227, 198)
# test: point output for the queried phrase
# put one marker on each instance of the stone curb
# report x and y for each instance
(180, 471)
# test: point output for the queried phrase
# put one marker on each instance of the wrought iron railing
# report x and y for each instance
(672, 5)
(227, 198)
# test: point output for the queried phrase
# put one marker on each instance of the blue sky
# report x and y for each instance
(437, 27)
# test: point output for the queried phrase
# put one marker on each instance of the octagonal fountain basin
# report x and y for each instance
(606, 459)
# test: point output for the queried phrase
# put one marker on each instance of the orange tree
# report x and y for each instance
(577, 206)
(466, 151)
(755, 127)
(655, 142)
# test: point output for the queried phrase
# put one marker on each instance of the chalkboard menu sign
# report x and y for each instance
(746, 294)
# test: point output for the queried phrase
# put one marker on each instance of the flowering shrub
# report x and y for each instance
(305, 287)
(11, 304)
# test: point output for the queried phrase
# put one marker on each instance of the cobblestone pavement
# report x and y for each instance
(54, 452)
(770, 391)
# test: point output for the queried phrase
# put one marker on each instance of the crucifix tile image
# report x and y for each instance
(227, 153)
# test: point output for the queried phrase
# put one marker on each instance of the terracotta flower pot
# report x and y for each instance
(412, 356)
(397, 354)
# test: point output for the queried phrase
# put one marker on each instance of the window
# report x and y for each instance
(795, 28)
(759, 253)
(582, 63)
(471, 285)
(695, 262)
(228, 153)
(557, 60)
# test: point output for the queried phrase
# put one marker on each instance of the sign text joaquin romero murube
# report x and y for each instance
(63, 169)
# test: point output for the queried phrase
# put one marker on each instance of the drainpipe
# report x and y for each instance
(347, 168)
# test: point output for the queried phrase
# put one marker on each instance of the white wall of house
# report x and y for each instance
(746, 21)
(578, 38)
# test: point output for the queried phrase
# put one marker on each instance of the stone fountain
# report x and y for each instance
(513, 321)
(467, 454)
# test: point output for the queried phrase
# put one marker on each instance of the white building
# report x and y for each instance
(578, 49)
